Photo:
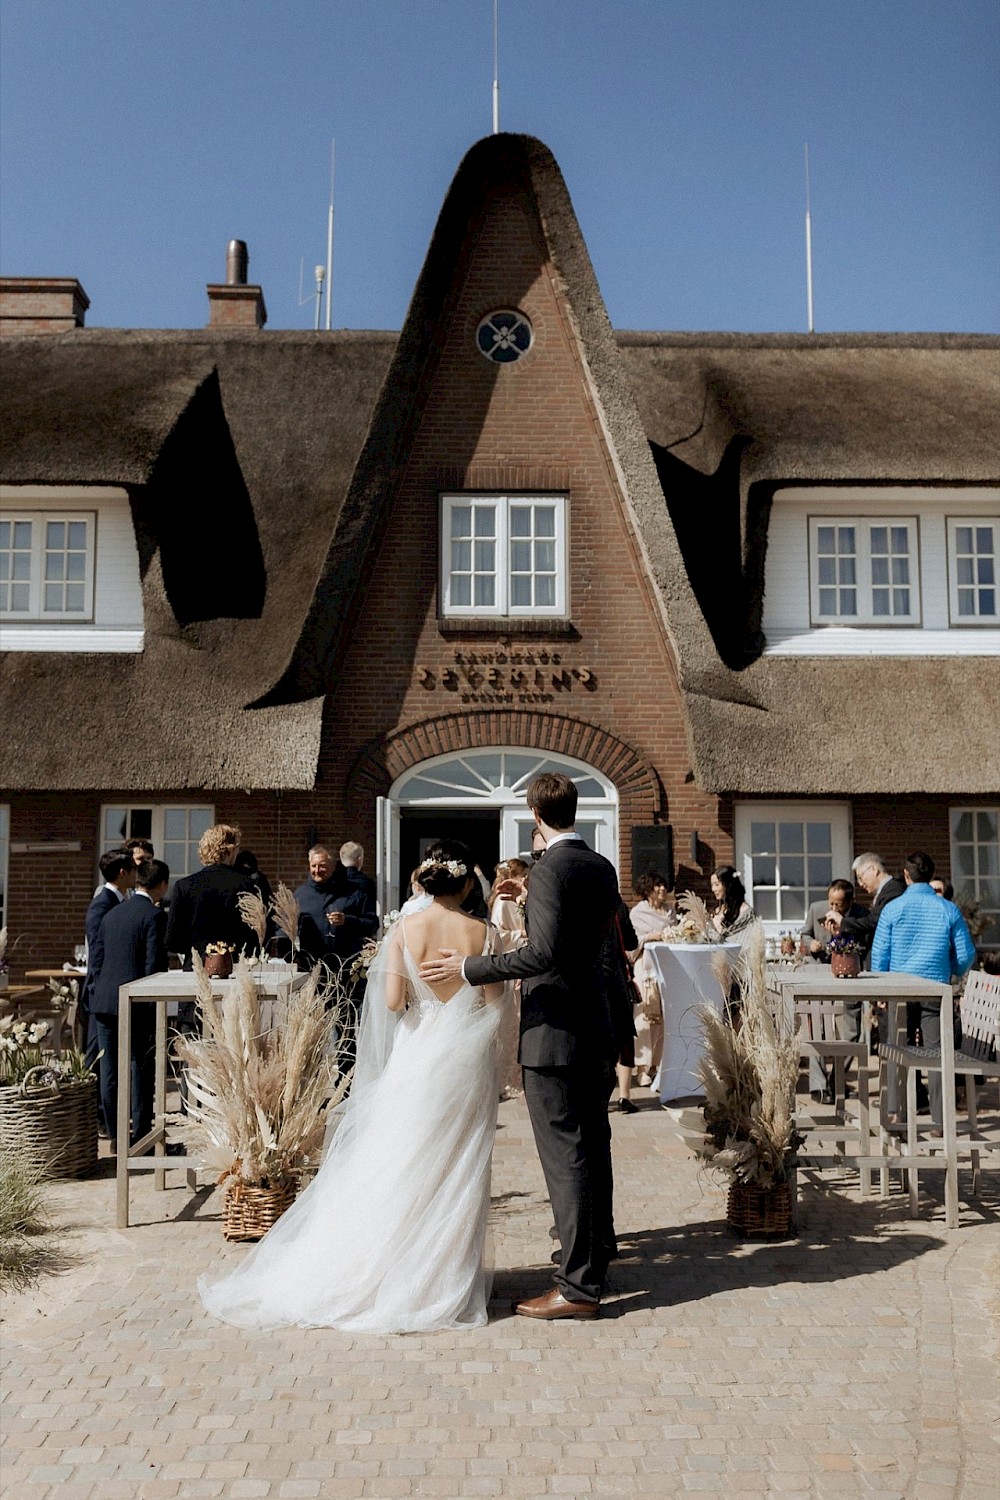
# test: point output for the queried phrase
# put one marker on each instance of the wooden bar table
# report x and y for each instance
(817, 983)
(274, 981)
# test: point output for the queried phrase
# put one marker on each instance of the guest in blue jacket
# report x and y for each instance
(921, 933)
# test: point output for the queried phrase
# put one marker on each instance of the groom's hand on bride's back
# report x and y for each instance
(440, 970)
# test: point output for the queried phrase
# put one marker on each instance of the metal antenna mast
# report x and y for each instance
(809, 251)
(496, 67)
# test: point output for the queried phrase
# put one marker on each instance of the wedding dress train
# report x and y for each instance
(390, 1237)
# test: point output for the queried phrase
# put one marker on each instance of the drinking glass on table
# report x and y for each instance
(80, 955)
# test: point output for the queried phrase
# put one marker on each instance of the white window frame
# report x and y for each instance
(502, 608)
(837, 814)
(39, 520)
(863, 526)
(157, 822)
(960, 621)
(959, 880)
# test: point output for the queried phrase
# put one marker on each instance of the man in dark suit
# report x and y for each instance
(872, 876)
(117, 869)
(568, 1043)
(130, 944)
(204, 907)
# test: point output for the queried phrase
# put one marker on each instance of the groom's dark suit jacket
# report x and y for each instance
(572, 900)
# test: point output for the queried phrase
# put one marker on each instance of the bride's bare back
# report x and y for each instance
(438, 927)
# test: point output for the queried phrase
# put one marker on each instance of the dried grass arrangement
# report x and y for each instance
(254, 914)
(749, 1073)
(260, 1094)
(694, 924)
(286, 915)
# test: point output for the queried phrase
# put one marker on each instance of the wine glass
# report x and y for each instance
(80, 955)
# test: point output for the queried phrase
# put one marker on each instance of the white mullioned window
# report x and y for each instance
(503, 555)
(788, 853)
(173, 830)
(975, 863)
(973, 545)
(864, 571)
(47, 565)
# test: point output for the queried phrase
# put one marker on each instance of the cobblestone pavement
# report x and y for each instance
(856, 1360)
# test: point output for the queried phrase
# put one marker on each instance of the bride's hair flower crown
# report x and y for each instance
(453, 866)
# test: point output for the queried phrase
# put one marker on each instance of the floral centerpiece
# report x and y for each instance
(694, 923)
(218, 960)
(746, 1127)
(259, 1095)
(48, 1104)
(845, 956)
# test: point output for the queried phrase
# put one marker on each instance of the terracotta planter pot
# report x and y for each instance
(845, 965)
(218, 965)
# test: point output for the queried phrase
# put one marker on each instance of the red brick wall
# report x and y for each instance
(528, 427)
(48, 894)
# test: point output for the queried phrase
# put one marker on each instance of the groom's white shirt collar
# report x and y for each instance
(558, 838)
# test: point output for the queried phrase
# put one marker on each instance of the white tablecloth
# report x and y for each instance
(684, 973)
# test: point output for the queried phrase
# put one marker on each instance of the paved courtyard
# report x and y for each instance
(858, 1360)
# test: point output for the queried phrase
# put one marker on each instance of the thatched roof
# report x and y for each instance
(281, 450)
(234, 445)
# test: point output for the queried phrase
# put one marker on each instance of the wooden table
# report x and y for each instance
(276, 981)
(17, 995)
(817, 983)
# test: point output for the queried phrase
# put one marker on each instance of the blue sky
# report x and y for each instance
(138, 136)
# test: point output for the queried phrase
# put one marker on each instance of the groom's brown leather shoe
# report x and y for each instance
(554, 1305)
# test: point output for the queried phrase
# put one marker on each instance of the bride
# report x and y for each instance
(390, 1237)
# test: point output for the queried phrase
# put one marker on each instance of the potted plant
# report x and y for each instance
(219, 960)
(48, 1105)
(747, 1127)
(694, 923)
(260, 1096)
(845, 957)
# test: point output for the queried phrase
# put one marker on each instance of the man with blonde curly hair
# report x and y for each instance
(205, 906)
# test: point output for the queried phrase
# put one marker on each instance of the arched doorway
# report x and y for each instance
(481, 796)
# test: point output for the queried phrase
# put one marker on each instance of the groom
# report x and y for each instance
(567, 1049)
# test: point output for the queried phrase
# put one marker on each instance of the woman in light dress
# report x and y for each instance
(651, 915)
(390, 1237)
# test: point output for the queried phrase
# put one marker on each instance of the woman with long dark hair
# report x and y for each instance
(732, 911)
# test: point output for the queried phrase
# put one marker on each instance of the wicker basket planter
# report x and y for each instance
(250, 1211)
(51, 1123)
(757, 1213)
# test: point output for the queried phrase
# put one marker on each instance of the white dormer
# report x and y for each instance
(883, 571)
(69, 570)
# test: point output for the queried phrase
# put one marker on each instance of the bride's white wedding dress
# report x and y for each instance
(390, 1237)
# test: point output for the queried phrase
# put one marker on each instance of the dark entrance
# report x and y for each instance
(479, 828)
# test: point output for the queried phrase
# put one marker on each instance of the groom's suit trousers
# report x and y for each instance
(568, 1108)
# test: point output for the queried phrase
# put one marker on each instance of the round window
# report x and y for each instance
(504, 336)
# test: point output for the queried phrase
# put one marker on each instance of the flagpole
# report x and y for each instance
(496, 67)
(809, 251)
(329, 242)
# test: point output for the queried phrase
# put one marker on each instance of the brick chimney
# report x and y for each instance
(41, 304)
(234, 304)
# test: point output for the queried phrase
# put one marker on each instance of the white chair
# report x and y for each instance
(978, 1054)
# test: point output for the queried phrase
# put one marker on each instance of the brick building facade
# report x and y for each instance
(315, 680)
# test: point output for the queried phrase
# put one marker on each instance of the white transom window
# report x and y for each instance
(503, 555)
(973, 544)
(47, 565)
(864, 571)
